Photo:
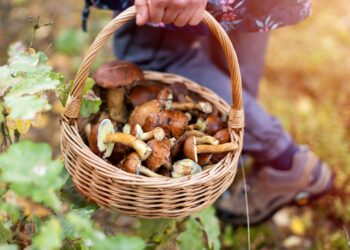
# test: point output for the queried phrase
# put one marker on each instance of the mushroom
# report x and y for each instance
(165, 97)
(199, 125)
(180, 92)
(223, 136)
(106, 138)
(210, 126)
(176, 149)
(143, 93)
(205, 107)
(185, 167)
(160, 155)
(213, 123)
(157, 133)
(191, 149)
(173, 122)
(114, 76)
(164, 171)
(141, 112)
(132, 164)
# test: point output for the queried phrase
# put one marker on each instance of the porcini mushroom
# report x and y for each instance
(114, 76)
(157, 133)
(173, 122)
(185, 167)
(106, 138)
(132, 164)
(191, 149)
(160, 155)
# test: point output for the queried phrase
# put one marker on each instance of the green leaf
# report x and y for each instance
(95, 239)
(6, 79)
(26, 107)
(29, 169)
(90, 104)
(122, 242)
(8, 247)
(211, 226)
(49, 237)
(5, 234)
(154, 230)
(192, 237)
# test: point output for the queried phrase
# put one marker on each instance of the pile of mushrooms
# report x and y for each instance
(148, 128)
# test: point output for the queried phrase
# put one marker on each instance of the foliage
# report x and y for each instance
(37, 193)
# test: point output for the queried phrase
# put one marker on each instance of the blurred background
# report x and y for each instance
(306, 84)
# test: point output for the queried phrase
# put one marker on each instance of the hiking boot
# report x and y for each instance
(269, 189)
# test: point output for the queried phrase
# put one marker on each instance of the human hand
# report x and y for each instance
(178, 12)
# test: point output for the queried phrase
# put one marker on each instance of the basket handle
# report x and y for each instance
(236, 117)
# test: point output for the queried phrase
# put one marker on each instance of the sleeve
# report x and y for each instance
(103, 4)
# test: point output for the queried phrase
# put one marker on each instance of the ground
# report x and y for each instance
(306, 85)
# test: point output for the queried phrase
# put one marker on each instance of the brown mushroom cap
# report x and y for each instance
(116, 74)
(140, 113)
(180, 92)
(165, 97)
(160, 154)
(190, 148)
(213, 124)
(143, 93)
(132, 163)
(223, 136)
(173, 122)
(92, 139)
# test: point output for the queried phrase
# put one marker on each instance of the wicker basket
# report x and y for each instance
(142, 196)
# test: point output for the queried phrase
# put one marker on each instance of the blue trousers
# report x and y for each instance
(201, 59)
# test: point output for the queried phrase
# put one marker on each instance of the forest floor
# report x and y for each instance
(306, 84)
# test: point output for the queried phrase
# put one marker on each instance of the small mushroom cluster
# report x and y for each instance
(155, 130)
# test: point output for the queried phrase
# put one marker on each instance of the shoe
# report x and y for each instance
(269, 189)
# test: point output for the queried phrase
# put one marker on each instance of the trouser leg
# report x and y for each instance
(181, 53)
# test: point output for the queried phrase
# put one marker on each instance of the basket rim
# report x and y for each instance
(223, 167)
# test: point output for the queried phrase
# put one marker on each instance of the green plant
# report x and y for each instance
(40, 207)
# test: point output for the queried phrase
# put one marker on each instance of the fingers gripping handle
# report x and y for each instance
(72, 108)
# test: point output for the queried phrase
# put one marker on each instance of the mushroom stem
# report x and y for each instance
(201, 106)
(207, 140)
(157, 133)
(226, 147)
(132, 164)
(140, 147)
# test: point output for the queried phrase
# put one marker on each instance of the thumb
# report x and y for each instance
(141, 12)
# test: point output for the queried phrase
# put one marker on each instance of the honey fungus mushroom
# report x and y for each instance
(132, 164)
(106, 138)
(192, 149)
(115, 76)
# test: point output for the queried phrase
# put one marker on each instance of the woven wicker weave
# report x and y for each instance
(142, 196)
